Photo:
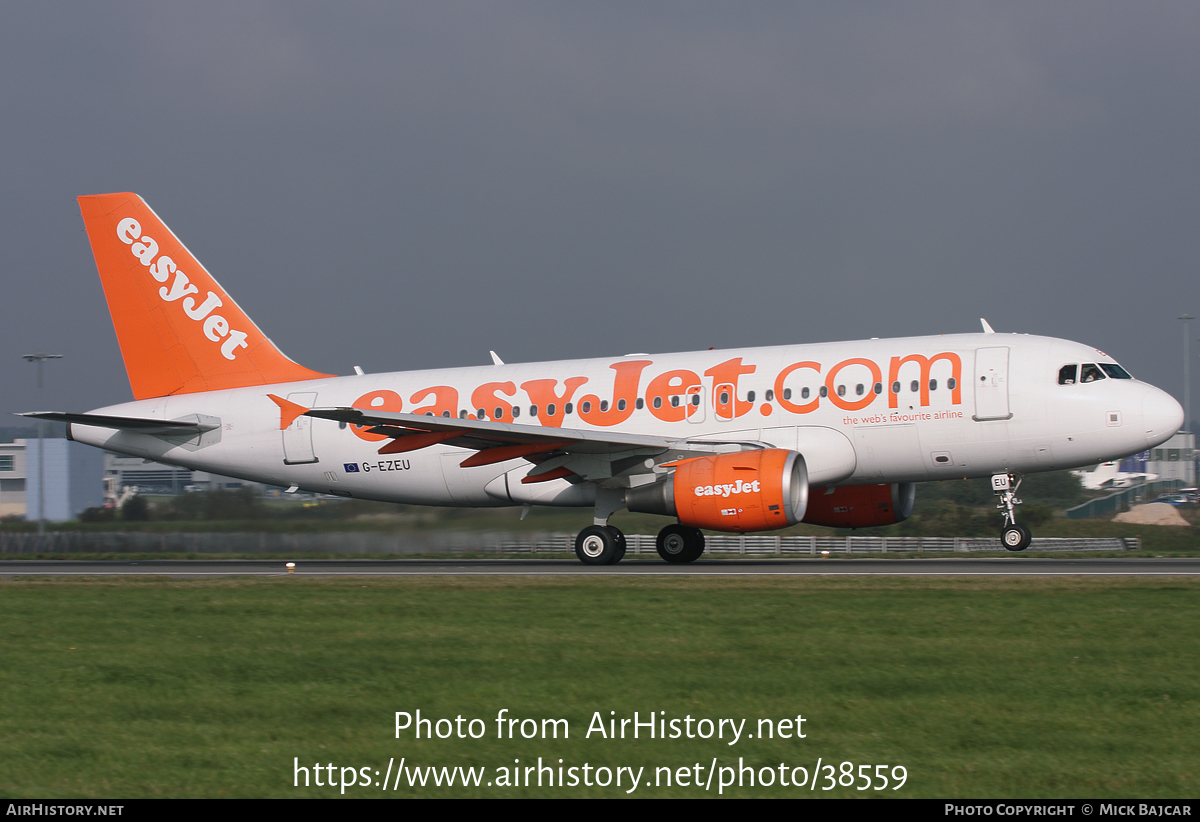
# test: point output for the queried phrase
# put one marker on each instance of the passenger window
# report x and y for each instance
(787, 393)
(585, 408)
(1090, 372)
(896, 388)
(858, 389)
(603, 405)
(675, 401)
(770, 395)
(516, 412)
(568, 408)
(550, 408)
(533, 410)
(749, 396)
(640, 404)
(933, 385)
(696, 400)
(620, 405)
(1066, 374)
(878, 388)
(804, 392)
(950, 383)
(658, 401)
(914, 386)
(824, 392)
(841, 390)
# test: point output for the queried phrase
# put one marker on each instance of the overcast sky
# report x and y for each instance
(403, 186)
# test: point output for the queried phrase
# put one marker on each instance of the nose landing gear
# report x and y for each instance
(1014, 537)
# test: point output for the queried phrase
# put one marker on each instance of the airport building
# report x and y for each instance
(79, 477)
(12, 479)
(122, 472)
(72, 483)
(1175, 459)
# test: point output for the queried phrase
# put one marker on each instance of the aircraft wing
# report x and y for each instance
(558, 452)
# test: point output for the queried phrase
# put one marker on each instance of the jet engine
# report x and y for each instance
(861, 506)
(744, 491)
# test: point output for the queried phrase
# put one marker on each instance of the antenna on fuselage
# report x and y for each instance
(987, 329)
(496, 359)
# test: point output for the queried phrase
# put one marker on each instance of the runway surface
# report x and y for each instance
(1006, 566)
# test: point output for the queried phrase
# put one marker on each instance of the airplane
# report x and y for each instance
(1109, 475)
(742, 440)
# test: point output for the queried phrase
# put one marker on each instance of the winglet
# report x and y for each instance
(987, 329)
(288, 411)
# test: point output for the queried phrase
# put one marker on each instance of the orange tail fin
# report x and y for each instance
(179, 331)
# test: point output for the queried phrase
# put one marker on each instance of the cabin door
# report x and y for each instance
(297, 437)
(991, 384)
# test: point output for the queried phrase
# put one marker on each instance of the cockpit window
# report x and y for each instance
(1090, 372)
(1115, 371)
(1066, 374)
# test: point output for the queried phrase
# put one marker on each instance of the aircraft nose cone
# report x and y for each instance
(1162, 416)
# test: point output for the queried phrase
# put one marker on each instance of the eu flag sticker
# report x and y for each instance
(350, 467)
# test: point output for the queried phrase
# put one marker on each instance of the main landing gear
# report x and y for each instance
(604, 544)
(600, 545)
(1014, 537)
(678, 543)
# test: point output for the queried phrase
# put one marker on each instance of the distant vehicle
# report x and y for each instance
(1110, 475)
(1173, 499)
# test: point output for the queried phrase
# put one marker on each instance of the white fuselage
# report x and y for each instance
(982, 404)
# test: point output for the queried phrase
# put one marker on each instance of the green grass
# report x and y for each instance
(980, 687)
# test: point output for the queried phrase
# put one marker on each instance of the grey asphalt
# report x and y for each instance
(1004, 566)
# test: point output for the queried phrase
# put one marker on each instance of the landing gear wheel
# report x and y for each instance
(678, 544)
(619, 554)
(1016, 537)
(597, 545)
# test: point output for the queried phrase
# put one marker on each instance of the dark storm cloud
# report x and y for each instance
(408, 186)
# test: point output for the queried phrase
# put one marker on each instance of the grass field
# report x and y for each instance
(979, 687)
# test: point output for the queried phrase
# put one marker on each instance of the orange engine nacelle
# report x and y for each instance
(861, 506)
(746, 491)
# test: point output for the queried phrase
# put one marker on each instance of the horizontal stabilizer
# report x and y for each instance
(137, 424)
